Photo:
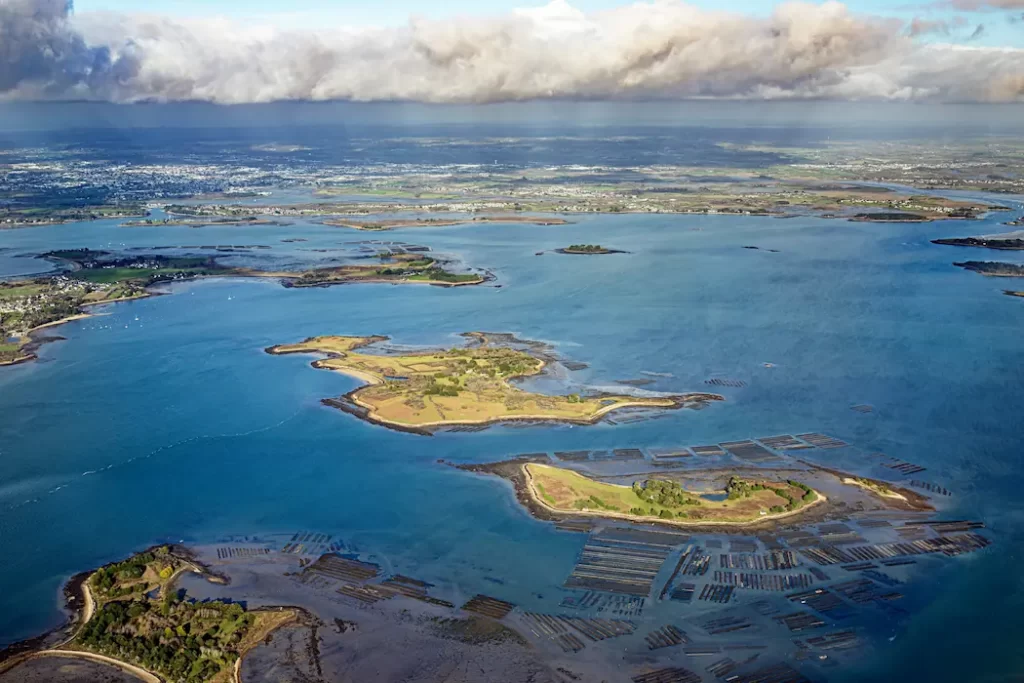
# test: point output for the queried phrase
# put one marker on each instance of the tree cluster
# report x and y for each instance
(664, 493)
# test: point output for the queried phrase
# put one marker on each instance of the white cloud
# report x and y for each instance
(655, 49)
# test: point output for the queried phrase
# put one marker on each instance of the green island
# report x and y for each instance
(420, 391)
(1010, 292)
(993, 268)
(393, 268)
(893, 217)
(743, 500)
(994, 242)
(145, 270)
(99, 277)
(134, 616)
(587, 249)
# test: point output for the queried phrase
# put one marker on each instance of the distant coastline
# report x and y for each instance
(94, 275)
(391, 224)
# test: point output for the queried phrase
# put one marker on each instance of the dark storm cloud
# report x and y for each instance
(40, 49)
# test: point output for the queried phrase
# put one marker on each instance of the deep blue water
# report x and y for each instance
(164, 420)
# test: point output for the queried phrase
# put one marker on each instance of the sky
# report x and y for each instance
(461, 52)
(1000, 28)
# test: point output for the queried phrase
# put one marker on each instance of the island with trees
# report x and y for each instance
(891, 217)
(744, 500)
(395, 268)
(993, 268)
(703, 499)
(149, 269)
(1006, 243)
(587, 250)
(421, 391)
(132, 615)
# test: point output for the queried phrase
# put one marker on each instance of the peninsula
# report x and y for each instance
(29, 306)
(426, 390)
(100, 277)
(144, 270)
(34, 216)
(132, 615)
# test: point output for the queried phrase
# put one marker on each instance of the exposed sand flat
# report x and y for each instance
(392, 640)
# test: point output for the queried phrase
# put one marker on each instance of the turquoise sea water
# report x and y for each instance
(163, 419)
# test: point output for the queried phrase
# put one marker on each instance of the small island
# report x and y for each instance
(743, 501)
(994, 242)
(587, 250)
(426, 390)
(393, 268)
(993, 268)
(131, 615)
(1010, 292)
(703, 499)
(891, 217)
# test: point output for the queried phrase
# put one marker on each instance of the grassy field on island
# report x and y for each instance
(460, 385)
(744, 500)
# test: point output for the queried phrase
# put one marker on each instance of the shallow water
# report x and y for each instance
(163, 419)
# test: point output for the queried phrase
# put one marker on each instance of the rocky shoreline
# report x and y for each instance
(349, 402)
